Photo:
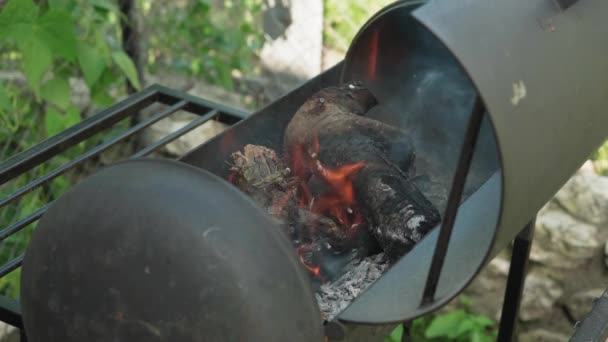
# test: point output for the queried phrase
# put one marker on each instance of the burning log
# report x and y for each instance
(261, 174)
(365, 163)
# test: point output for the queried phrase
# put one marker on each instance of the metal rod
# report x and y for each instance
(515, 282)
(90, 153)
(47, 149)
(169, 138)
(11, 266)
(24, 222)
(197, 105)
(406, 334)
(10, 312)
(449, 216)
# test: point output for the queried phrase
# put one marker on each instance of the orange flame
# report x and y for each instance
(339, 201)
(315, 270)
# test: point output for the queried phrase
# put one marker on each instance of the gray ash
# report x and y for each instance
(336, 296)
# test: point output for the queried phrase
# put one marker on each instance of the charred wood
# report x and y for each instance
(261, 174)
(330, 131)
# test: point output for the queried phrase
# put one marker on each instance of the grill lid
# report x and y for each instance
(155, 250)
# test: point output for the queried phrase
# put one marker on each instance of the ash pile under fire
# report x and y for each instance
(342, 190)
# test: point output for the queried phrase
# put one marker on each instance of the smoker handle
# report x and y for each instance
(565, 4)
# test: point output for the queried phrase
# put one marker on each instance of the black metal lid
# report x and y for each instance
(151, 250)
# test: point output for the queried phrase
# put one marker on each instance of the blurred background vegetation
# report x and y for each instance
(53, 51)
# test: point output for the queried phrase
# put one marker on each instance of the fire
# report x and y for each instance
(340, 200)
(337, 202)
(314, 270)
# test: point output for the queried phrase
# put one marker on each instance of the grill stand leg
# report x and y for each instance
(406, 336)
(515, 282)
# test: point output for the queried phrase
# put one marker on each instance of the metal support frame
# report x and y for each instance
(515, 282)
(454, 199)
(16, 165)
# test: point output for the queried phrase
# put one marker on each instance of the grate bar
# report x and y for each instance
(230, 115)
(11, 266)
(17, 226)
(47, 149)
(10, 311)
(451, 210)
(92, 152)
(44, 151)
(170, 137)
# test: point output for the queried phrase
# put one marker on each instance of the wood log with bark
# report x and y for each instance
(330, 131)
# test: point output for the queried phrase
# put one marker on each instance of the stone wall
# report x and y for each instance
(567, 263)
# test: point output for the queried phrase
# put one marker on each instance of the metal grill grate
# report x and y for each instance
(10, 169)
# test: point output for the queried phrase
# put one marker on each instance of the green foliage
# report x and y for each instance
(126, 65)
(458, 326)
(343, 19)
(600, 160)
(196, 38)
(50, 42)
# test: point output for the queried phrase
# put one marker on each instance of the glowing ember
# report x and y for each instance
(339, 200)
(373, 57)
(314, 270)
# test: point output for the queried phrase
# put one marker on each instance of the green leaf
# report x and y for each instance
(31, 203)
(59, 186)
(61, 4)
(5, 102)
(37, 59)
(464, 328)
(127, 67)
(100, 97)
(16, 19)
(482, 321)
(105, 5)
(444, 325)
(72, 116)
(477, 336)
(92, 64)
(466, 300)
(395, 336)
(55, 122)
(56, 29)
(57, 92)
